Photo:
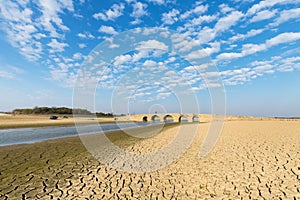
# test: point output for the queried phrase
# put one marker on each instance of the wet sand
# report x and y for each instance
(257, 159)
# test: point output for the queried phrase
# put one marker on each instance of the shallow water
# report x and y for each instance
(32, 135)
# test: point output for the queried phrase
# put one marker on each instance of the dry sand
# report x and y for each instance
(252, 160)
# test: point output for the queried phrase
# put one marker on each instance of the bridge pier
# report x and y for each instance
(190, 119)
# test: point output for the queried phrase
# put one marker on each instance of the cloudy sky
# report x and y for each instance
(254, 45)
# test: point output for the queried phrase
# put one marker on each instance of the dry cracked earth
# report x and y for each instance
(252, 160)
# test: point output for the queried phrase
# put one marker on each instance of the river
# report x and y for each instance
(38, 134)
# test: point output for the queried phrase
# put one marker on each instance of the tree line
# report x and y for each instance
(57, 110)
(101, 114)
(52, 110)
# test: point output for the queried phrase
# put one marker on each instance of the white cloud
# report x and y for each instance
(56, 46)
(160, 2)
(229, 56)
(251, 33)
(267, 4)
(283, 38)
(196, 22)
(141, 54)
(198, 10)
(77, 56)
(67, 4)
(191, 38)
(21, 31)
(264, 68)
(10, 72)
(23, 27)
(85, 35)
(263, 15)
(139, 10)
(260, 68)
(287, 64)
(112, 44)
(231, 46)
(119, 60)
(163, 95)
(111, 14)
(287, 15)
(39, 36)
(50, 15)
(182, 42)
(237, 76)
(108, 30)
(207, 34)
(215, 47)
(6, 75)
(171, 73)
(226, 22)
(152, 44)
(225, 8)
(66, 79)
(81, 45)
(248, 49)
(170, 17)
(33, 33)
(149, 63)
(78, 16)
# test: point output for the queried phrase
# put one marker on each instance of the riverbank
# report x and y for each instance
(253, 159)
(27, 121)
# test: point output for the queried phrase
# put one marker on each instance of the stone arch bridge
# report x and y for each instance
(167, 117)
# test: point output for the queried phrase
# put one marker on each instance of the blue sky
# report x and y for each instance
(255, 46)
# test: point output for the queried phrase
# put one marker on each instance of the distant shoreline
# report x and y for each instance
(287, 117)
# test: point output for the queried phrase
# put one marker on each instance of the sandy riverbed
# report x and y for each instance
(253, 159)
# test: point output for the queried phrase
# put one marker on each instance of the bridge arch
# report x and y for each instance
(183, 118)
(195, 118)
(155, 118)
(168, 118)
(145, 119)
